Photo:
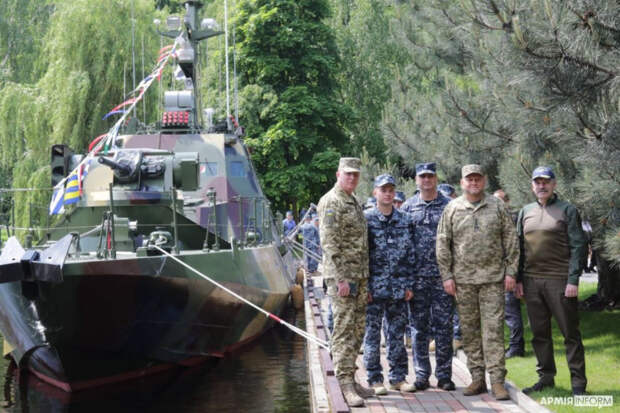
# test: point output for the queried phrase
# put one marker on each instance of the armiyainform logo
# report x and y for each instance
(594, 400)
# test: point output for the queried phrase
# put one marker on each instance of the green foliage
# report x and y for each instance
(22, 30)
(84, 50)
(287, 58)
(370, 56)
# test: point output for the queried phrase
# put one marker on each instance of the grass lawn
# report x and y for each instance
(600, 332)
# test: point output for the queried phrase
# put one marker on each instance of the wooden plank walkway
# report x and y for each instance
(327, 397)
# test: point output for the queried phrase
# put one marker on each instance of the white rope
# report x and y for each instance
(297, 330)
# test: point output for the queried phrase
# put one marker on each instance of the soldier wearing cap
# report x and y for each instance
(553, 248)
(477, 253)
(447, 190)
(399, 198)
(390, 285)
(344, 240)
(432, 308)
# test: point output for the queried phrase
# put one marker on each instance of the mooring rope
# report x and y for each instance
(297, 330)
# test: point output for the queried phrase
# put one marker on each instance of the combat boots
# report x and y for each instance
(362, 391)
(350, 396)
(476, 387)
(499, 391)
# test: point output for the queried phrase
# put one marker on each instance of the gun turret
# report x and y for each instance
(126, 165)
(117, 167)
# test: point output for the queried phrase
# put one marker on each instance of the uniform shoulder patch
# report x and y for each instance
(329, 216)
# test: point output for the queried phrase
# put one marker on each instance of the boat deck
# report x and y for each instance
(327, 397)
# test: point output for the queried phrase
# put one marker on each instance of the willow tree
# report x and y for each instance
(85, 62)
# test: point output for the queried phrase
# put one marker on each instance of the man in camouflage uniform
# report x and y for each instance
(478, 254)
(310, 234)
(390, 243)
(432, 308)
(344, 240)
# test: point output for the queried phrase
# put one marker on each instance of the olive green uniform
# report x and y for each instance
(344, 241)
(477, 247)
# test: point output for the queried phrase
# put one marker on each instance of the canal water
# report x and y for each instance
(269, 375)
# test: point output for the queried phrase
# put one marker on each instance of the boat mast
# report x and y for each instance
(193, 31)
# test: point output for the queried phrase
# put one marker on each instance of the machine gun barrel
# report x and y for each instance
(123, 169)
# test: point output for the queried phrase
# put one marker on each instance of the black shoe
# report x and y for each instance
(515, 352)
(540, 385)
(446, 384)
(579, 391)
(421, 384)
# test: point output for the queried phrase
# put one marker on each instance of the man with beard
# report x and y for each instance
(477, 253)
(553, 248)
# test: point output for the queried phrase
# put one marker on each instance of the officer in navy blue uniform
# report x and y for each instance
(432, 309)
(310, 233)
(390, 244)
(399, 198)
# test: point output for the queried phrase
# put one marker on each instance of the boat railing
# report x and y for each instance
(253, 224)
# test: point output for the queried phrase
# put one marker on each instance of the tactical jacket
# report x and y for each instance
(552, 241)
(391, 252)
(426, 218)
(344, 239)
(477, 244)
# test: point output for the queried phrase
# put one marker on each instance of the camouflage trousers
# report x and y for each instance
(481, 309)
(395, 312)
(349, 324)
(432, 310)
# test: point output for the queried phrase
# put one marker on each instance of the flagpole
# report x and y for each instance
(226, 54)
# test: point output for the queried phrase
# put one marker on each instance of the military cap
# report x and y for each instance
(446, 189)
(425, 168)
(543, 172)
(289, 212)
(471, 169)
(350, 165)
(315, 217)
(400, 196)
(384, 179)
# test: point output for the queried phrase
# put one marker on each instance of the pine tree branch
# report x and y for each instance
(583, 122)
(566, 56)
(399, 138)
(473, 123)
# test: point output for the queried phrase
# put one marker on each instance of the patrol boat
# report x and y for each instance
(118, 287)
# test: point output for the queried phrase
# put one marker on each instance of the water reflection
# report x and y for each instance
(267, 376)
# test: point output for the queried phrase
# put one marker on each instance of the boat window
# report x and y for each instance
(236, 168)
(209, 168)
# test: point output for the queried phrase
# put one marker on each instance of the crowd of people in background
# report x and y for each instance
(410, 267)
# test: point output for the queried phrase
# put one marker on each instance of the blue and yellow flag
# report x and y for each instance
(72, 190)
